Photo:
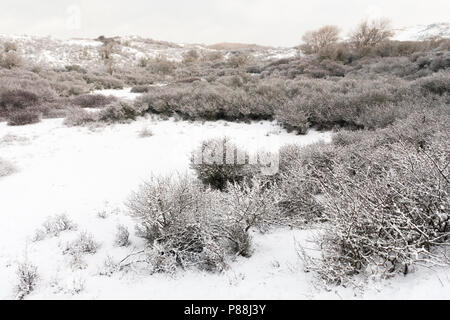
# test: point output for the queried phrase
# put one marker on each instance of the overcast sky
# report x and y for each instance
(267, 22)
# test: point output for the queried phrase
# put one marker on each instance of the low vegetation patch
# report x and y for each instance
(92, 100)
(83, 244)
(122, 238)
(21, 118)
(383, 195)
(6, 168)
(27, 279)
(53, 227)
(187, 226)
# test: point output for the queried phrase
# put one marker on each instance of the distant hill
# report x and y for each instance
(127, 51)
(423, 32)
(236, 46)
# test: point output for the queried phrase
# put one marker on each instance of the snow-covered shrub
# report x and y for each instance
(238, 238)
(80, 117)
(76, 68)
(27, 278)
(53, 226)
(191, 250)
(10, 60)
(399, 66)
(17, 99)
(386, 201)
(161, 65)
(84, 244)
(191, 56)
(293, 119)
(145, 132)
(189, 226)
(218, 161)
(344, 103)
(11, 139)
(140, 89)
(75, 284)
(299, 189)
(392, 48)
(102, 214)
(122, 238)
(239, 60)
(109, 267)
(202, 100)
(118, 112)
(433, 60)
(252, 203)
(77, 261)
(6, 168)
(71, 87)
(104, 82)
(389, 233)
(161, 259)
(213, 56)
(346, 138)
(21, 118)
(166, 201)
(92, 100)
(438, 83)
(178, 218)
(9, 46)
(441, 61)
(20, 106)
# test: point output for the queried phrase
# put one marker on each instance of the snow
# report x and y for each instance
(129, 51)
(84, 42)
(82, 171)
(278, 53)
(124, 93)
(423, 32)
(84, 52)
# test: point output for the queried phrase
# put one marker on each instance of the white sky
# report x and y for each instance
(267, 22)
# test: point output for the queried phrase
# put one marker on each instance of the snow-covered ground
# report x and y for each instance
(83, 172)
(128, 51)
(88, 174)
(124, 93)
(423, 32)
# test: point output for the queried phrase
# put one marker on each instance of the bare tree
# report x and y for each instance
(314, 41)
(371, 33)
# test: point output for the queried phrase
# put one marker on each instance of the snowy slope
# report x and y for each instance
(128, 51)
(423, 32)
